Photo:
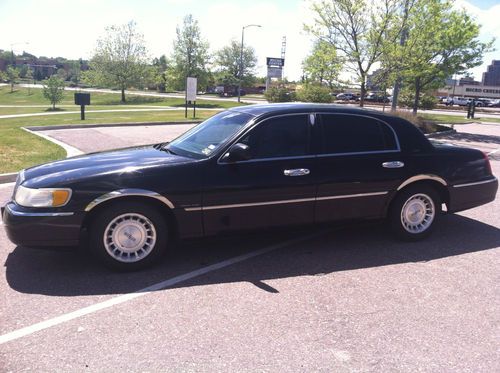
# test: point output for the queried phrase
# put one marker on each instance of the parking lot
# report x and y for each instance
(346, 297)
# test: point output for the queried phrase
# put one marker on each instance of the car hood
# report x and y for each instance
(119, 162)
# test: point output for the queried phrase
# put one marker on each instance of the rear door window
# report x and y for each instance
(343, 133)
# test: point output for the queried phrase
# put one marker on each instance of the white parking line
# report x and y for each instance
(158, 286)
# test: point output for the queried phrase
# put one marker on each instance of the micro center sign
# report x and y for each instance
(469, 90)
(276, 62)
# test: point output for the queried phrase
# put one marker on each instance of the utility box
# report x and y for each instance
(82, 99)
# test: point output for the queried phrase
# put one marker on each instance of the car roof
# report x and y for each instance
(259, 110)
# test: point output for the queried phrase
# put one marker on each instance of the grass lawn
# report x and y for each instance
(34, 96)
(19, 149)
(453, 119)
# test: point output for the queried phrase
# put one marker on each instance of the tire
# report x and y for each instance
(128, 236)
(414, 212)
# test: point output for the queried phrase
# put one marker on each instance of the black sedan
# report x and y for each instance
(247, 168)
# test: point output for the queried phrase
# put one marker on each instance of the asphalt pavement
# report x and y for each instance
(341, 298)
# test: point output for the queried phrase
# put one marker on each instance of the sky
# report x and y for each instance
(70, 28)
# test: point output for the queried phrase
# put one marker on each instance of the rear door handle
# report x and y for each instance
(393, 164)
(297, 172)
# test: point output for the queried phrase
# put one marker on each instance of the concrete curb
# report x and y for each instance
(439, 134)
(80, 126)
(71, 151)
(8, 178)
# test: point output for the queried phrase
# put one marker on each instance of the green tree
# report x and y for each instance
(441, 42)
(322, 65)
(357, 29)
(160, 73)
(3, 76)
(29, 77)
(53, 90)
(227, 61)
(120, 59)
(190, 56)
(12, 77)
(74, 72)
(23, 69)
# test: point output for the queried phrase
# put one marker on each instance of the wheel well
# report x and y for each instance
(161, 207)
(442, 191)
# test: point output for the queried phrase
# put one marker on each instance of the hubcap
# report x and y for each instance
(129, 237)
(417, 213)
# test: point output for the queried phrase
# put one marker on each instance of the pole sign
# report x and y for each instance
(191, 89)
(274, 72)
(276, 62)
(191, 95)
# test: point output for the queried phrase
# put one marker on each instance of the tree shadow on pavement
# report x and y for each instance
(337, 249)
(470, 137)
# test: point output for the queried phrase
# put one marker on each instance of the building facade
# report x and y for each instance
(492, 76)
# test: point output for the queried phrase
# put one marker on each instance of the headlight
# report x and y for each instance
(45, 197)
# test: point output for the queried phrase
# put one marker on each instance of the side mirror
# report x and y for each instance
(238, 152)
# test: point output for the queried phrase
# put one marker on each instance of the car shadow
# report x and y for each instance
(341, 248)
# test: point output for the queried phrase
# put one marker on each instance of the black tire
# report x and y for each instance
(410, 214)
(136, 236)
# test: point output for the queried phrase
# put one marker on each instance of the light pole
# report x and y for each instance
(240, 75)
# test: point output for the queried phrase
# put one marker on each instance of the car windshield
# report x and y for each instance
(204, 139)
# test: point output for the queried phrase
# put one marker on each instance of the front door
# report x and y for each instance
(275, 187)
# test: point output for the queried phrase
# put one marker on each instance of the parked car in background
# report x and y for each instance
(486, 102)
(460, 101)
(250, 167)
(346, 96)
(374, 97)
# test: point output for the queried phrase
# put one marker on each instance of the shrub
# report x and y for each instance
(279, 94)
(314, 93)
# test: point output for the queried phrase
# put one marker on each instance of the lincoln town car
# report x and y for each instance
(247, 168)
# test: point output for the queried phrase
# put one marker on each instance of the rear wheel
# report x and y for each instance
(129, 236)
(414, 212)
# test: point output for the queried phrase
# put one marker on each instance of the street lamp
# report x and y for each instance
(241, 58)
(12, 50)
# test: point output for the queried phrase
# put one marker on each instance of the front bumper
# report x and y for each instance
(32, 227)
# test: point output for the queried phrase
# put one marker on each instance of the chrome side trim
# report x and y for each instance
(39, 214)
(351, 196)
(217, 207)
(420, 178)
(270, 159)
(127, 193)
(299, 200)
(475, 183)
(358, 153)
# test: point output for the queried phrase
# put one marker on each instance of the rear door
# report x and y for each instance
(358, 164)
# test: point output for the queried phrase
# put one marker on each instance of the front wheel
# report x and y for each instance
(414, 212)
(128, 236)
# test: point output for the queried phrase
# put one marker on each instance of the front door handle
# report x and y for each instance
(393, 164)
(297, 172)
